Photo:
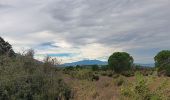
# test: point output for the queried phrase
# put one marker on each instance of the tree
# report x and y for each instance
(120, 61)
(6, 48)
(95, 67)
(162, 62)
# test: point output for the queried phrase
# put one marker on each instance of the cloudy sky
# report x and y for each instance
(73, 30)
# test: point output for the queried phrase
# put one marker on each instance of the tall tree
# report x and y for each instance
(120, 61)
(162, 62)
(6, 48)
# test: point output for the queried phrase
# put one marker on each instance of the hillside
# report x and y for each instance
(86, 62)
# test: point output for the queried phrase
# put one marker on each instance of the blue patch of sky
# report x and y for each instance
(144, 55)
(145, 51)
(62, 55)
(47, 45)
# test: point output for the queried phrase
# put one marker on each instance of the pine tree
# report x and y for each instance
(6, 48)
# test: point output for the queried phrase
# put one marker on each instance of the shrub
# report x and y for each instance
(95, 67)
(119, 81)
(110, 73)
(128, 73)
(84, 74)
(95, 77)
(139, 90)
(23, 78)
(103, 73)
(107, 73)
(78, 67)
(104, 67)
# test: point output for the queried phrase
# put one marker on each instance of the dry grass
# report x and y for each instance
(105, 89)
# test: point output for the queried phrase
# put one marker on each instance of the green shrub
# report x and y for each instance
(84, 74)
(165, 70)
(23, 78)
(95, 67)
(139, 90)
(104, 67)
(128, 73)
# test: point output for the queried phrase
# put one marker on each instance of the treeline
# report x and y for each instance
(122, 63)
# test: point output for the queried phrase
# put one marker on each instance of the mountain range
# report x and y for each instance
(86, 62)
(98, 62)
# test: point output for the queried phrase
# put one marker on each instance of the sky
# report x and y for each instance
(73, 30)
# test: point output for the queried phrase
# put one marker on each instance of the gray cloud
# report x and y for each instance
(128, 25)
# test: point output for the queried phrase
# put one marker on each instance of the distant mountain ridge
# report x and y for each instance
(98, 62)
(146, 65)
(86, 62)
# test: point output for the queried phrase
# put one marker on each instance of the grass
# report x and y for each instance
(118, 87)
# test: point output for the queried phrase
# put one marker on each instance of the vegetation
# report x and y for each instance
(95, 67)
(120, 61)
(24, 78)
(6, 48)
(162, 62)
(140, 89)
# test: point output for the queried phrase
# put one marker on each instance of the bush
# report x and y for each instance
(107, 73)
(95, 67)
(128, 73)
(23, 78)
(139, 90)
(84, 74)
(120, 61)
(119, 81)
(110, 73)
(104, 67)
(103, 73)
(95, 78)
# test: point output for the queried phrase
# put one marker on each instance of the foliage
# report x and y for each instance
(107, 73)
(128, 73)
(162, 62)
(120, 61)
(95, 77)
(83, 74)
(78, 67)
(119, 81)
(6, 48)
(139, 90)
(104, 67)
(95, 67)
(162, 58)
(23, 78)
